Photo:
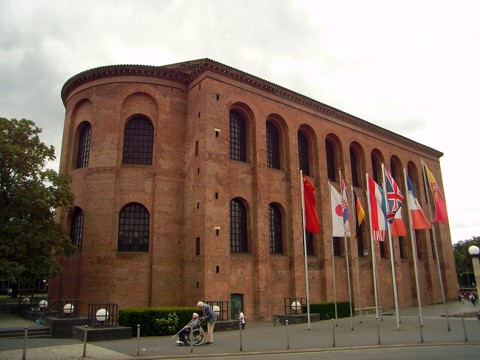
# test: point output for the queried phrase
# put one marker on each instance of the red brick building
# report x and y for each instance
(188, 188)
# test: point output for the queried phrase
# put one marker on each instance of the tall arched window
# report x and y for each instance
(238, 137)
(331, 170)
(309, 241)
(354, 168)
(303, 154)
(275, 229)
(273, 147)
(138, 142)
(83, 155)
(133, 228)
(238, 227)
(76, 228)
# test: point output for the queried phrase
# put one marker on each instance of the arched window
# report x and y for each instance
(275, 227)
(303, 154)
(273, 147)
(133, 228)
(354, 168)
(331, 170)
(84, 146)
(309, 241)
(238, 137)
(76, 228)
(238, 227)
(138, 142)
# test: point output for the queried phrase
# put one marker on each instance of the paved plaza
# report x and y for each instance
(369, 339)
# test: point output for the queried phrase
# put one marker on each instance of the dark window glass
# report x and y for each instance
(238, 227)
(336, 246)
(133, 228)
(303, 154)
(375, 169)
(273, 147)
(359, 240)
(382, 249)
(238, 137)
(330, 161)
(275, 227)
(76, 228)
(138, 143)
(401, 246)
(354, 168)
(309, 241)
(84, 146)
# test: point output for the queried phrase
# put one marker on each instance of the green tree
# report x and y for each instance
(30, 238)
(463, 260)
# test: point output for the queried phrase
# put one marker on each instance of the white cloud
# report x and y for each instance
(410, 66)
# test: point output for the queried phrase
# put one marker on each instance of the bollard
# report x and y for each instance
(333, 333)
(464, 328)
(288, 338)
(241, 336)
(138, 339)
(378, 330)
(421, 328)
(190, 336)
(85, 342)
(25, 336)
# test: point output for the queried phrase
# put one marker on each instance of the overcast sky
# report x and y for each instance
(411, 67)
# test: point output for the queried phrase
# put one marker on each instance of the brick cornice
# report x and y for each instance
(186, 72)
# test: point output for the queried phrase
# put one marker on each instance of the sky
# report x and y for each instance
(411, 67)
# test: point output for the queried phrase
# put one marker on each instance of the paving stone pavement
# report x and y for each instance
(264, 338)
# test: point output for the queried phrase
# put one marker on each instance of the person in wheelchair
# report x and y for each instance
(185, 331)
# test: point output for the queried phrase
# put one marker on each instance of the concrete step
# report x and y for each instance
(19, 332)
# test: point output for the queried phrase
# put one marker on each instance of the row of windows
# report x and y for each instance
(137, 144)
(138, 149)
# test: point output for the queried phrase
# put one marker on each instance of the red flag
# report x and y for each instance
(312, 223)
(398, 226)
(440, 204)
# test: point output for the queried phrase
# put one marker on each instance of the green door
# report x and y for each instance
(237, 304)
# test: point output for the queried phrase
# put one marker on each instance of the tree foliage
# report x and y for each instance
(30, 238)
(463, 259)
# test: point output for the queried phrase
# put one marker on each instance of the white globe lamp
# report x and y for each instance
(216, 309)
(43, 304)
(68, 308)
(102, 315)
(296, 306)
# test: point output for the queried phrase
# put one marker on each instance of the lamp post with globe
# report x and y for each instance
(474, 251)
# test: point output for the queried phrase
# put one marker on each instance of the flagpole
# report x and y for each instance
(414, 251)
(305, 250)
(333, 272)
(435, 245)
(354, 207)
(374, 261)
(392, 258)
(346, 252)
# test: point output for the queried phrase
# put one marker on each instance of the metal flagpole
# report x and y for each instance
(357, 258)
(305, 250)
(374, 261)
(414, 253)
(334, 277)
(392, 258)
(346, 252)
(427, 184)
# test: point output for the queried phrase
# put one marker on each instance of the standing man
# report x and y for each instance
(209, 316)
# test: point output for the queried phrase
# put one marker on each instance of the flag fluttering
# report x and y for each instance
(397, 226)
(419, 219)
(377, 210)
(438, 199)
(337, 210)
(395, 197)
(359, 212)
(345, 209)
(312, 222)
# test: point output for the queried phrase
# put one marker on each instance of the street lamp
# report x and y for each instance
(474, 251)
